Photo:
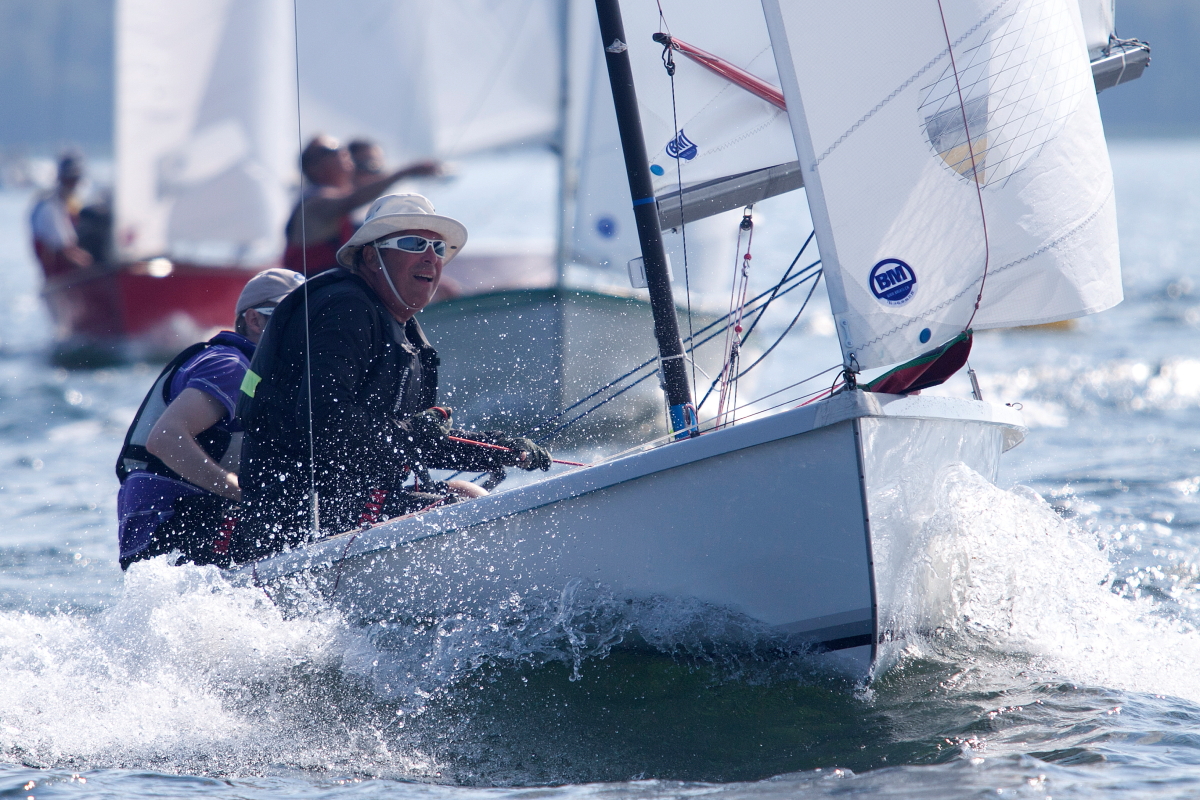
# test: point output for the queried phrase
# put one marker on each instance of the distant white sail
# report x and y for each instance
(1099, 22)
(205, 129)
(431, 79)
(882, 117)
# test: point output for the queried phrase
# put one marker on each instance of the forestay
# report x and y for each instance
(925, 172)
(205, 129)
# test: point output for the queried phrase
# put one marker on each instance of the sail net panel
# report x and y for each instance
(925, 172)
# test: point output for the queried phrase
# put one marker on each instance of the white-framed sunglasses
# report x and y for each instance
(413, 244)
(266, 311)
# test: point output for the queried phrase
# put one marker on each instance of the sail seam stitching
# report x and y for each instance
(906, 84)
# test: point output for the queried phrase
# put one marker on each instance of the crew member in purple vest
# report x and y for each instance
(178, 466)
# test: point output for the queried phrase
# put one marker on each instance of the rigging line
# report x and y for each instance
(662, 20)
(780, 391)
(962, 106)
(802, 279)
(666, 439)
(669, 63)
(775, 290)
(801, 282)
(729, 373)
(554, 433)
(796, 280)
(314, 515)
(729, 348)
(786, 330)
(669, 437)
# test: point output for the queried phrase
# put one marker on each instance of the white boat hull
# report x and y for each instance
(795, 526)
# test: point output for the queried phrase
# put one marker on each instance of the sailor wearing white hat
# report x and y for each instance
(400, 251)
(371, 418)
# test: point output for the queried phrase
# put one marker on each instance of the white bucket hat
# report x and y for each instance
(394, 213)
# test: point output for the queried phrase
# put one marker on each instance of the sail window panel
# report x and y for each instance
(991, 163)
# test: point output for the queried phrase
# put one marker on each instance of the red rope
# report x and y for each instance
(733, 334)
(509, 450)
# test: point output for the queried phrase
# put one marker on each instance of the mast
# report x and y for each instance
(645, 212)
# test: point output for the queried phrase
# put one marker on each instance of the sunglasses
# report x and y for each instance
(266, 311)
(413, 244)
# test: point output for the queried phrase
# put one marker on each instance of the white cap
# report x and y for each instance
(268, 286)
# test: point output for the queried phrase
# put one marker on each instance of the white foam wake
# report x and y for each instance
(1001, 572)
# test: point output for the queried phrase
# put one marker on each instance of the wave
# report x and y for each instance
(1005, 582)
(187, 673)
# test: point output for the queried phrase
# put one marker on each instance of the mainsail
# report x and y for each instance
(953, 153)
(431, 80)
(730, 147)
(205, 129)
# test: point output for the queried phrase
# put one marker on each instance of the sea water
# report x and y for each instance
(1058, 656)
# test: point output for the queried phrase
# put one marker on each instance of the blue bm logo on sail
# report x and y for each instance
(893, 282)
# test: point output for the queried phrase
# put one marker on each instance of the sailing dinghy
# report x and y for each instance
(958, 179)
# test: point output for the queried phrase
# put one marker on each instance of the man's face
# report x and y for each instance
(415, 275)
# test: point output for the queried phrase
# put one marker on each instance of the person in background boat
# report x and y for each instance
(368, 161)
(330, 197)
(178, 466)
(372, 419)
(53, 222)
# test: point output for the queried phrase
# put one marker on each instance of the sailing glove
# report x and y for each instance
(523, 453)
(429, 429)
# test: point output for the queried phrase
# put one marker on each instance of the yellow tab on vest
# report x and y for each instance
(250, 383)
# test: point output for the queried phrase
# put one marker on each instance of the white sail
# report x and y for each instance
(424, 79)
(599, 232)
(1099, 23)
(908, 223)
(715, 128)
(205, 129)
(734, 132)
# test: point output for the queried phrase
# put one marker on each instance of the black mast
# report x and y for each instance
(645, 211)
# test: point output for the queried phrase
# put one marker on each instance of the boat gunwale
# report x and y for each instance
(579, 482)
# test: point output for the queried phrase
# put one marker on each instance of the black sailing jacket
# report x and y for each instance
(366, 382)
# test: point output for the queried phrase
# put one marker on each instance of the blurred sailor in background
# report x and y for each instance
(178, 466)
(321, 221)
(368, 161)
(53, 222)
